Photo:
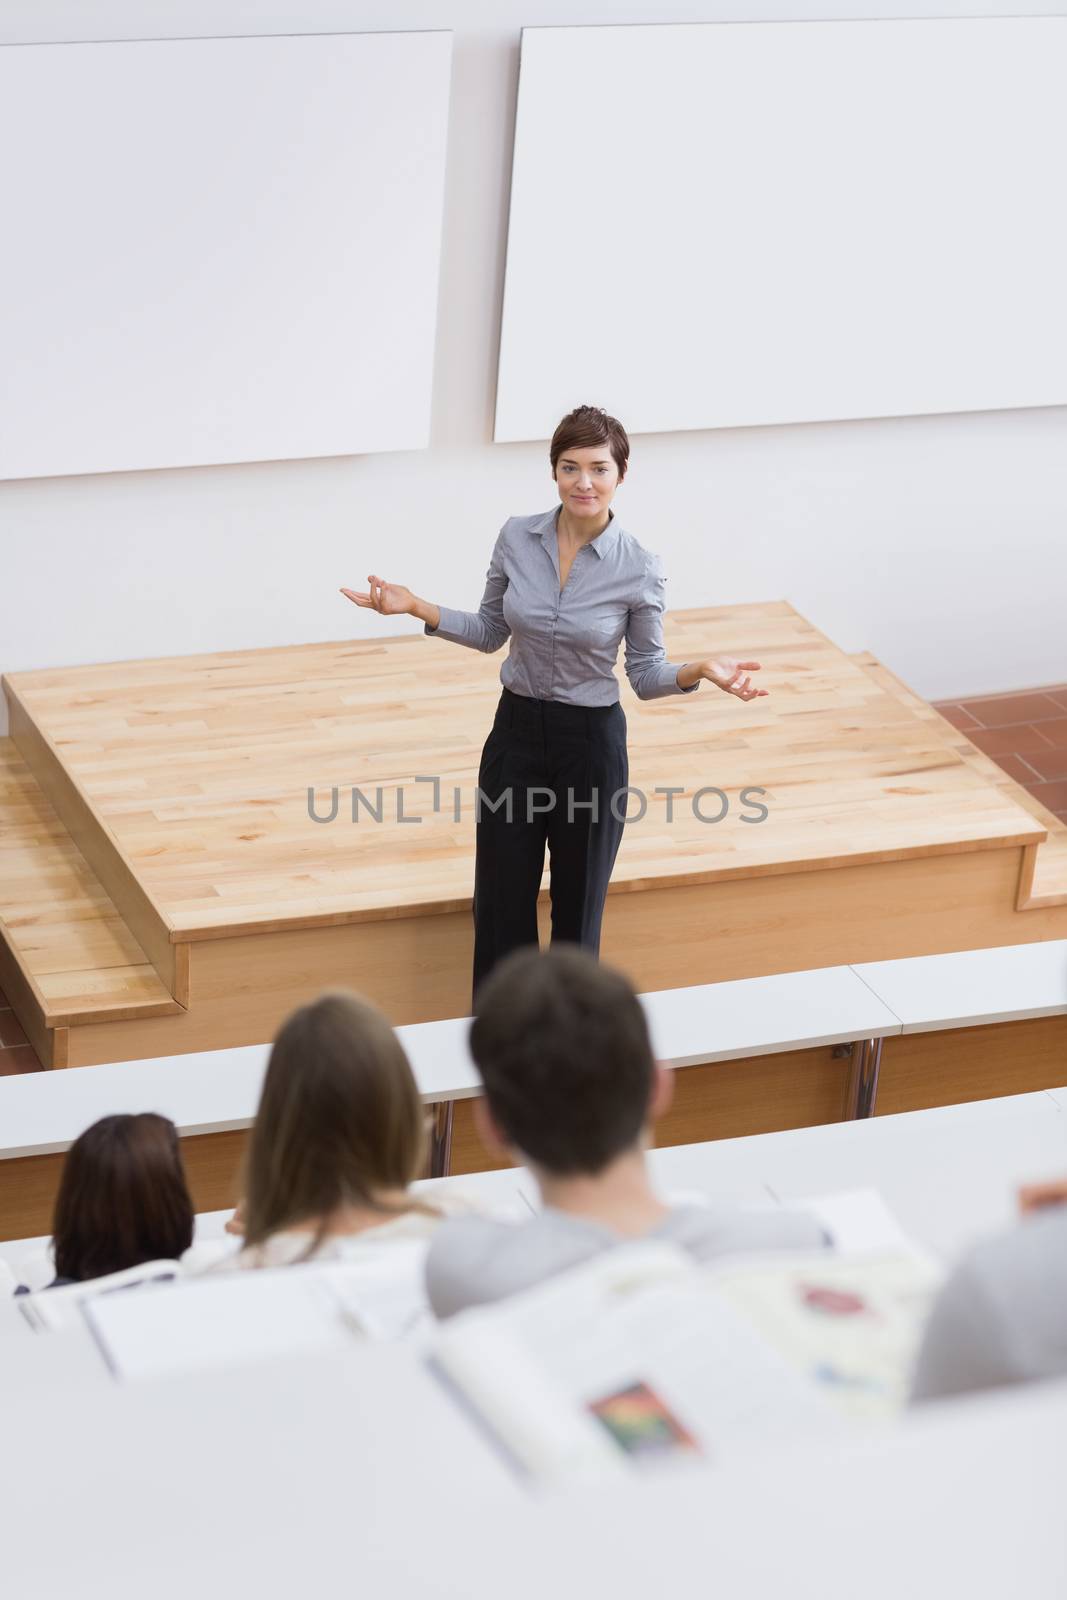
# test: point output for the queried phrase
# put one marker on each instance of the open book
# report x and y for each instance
(233, 1318)
(641, 1357)
(633, 1357)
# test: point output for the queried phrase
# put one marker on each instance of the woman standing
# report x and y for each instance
(566, 586)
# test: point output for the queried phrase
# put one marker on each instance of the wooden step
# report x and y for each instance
(93, 836)
(1046, 881)
(66, 955)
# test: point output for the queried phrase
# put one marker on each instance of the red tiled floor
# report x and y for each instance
(1016, 767)
(958, 717)
(1053, 795)
(23, 1058)
(1055, 730)
(1011, 739)
(1013, 708)
(1048, 763)
(1024, 733)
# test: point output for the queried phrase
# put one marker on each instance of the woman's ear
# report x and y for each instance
(662, 1092)
(487, 1130)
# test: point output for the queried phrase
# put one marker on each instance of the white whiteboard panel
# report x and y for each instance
(218, 249)
(721, 224)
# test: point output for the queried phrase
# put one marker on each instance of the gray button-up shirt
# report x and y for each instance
(564, 644)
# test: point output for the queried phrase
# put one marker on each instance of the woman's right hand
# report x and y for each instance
(389, 599)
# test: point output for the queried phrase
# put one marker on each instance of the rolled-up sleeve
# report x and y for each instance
(484, 629)
(651, 675)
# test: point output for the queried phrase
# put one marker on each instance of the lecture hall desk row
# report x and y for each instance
(752, 1055)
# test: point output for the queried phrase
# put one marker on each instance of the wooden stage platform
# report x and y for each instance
(163, 887)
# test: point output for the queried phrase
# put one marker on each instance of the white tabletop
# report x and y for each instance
(964, 1501)
(949, 1174)
(214, 1091)
(356, 1473)
(208, 1091)
(762, 1016)
(217, 1090)
(1008, 983)
(355, 1437)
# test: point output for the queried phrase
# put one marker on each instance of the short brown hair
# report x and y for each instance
(563, 1049)
(122, 1198)
(590, 425)
(339, 1118)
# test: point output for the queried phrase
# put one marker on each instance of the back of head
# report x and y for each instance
(339, 1117)
(562, 1047)
(122, 1199)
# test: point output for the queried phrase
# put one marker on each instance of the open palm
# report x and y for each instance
(389, 599)
(733, 676)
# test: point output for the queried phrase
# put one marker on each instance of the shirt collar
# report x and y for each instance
(545, 527)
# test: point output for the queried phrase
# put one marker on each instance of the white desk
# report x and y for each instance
(215, 1091)
(208, 1091)
(966, 988)
(356, 1474)
(965, 1501)
(354, 1439)
(763, 1016)
(949, 1174)
(41, 1366)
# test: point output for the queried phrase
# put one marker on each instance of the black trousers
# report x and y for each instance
(555, 762)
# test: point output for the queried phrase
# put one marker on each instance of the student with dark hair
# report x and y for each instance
(338, 1139)
(122, 1199)
(571, 1089)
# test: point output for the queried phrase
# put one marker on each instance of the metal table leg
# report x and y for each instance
(862, 1090)
(441, 1139)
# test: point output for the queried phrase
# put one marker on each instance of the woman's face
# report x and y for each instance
(587, 480)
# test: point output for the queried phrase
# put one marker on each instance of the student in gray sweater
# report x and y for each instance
(1001, 1317)
(571, 1090)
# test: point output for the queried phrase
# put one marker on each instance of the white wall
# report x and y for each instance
(936, 542)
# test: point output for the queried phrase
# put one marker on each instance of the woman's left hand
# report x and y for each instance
(732, 676)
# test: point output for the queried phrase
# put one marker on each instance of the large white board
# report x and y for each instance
(721, 224)
(219, 249)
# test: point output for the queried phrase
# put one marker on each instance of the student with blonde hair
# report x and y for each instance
(338, 1139)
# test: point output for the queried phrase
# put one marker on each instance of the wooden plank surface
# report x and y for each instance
(68, 956)
(200, 767)
(1046, 881)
